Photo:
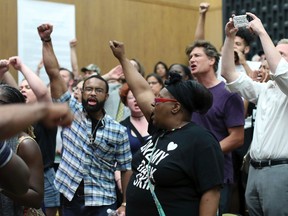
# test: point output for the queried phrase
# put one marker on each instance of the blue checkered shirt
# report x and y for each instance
(92, 163)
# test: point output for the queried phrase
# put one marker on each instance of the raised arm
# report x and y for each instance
(200, 28)
(37, 85)
(138, 85)
(114, 74)
(39, 67)
(5, 75)
(73, 56)
(272, 54)
(228, 65)
(50, 61)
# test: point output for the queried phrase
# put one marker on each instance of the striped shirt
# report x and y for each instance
(5, 154)
(93, 163)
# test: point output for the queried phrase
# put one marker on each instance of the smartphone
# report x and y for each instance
(241, 21)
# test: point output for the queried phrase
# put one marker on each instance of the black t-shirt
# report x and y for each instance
(46, 139)
(186, 162)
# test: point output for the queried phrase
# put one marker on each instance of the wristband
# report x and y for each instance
(47, 40)
(123, 204)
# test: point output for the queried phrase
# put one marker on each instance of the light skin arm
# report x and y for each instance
(51, 65)
(234, 140)
(209, 202)
(73, 56)
(18, 117)
(200, 28)
(114, 74)
(117, 176)
(37, 85)
(39, 67)
(228, 65)
(30, 152)
(272, 54)
(5, 75)
(138, 85)
(9, 80)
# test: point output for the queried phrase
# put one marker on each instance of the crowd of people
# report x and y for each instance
(168, 143)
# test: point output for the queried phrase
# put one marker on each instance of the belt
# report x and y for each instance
(264, 163)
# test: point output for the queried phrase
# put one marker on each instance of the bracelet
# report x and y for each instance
(123, 204)
(47, 40)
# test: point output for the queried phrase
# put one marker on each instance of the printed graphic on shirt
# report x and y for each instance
(141, 180)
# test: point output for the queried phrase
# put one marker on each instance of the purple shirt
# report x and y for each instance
(226, 112)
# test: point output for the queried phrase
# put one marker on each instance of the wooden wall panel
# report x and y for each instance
(8, 32)
(152, 30)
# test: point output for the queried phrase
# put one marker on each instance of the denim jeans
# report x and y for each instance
(76, 206)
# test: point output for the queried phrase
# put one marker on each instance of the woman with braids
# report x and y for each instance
(179, 171)
(25, 147)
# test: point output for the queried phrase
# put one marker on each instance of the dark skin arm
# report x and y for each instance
(50, 61)
(209, 202)
(138, 85)
(30, 152)
(21, 174)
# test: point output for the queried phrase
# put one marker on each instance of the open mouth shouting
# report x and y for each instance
(92, 101)
(193, 67)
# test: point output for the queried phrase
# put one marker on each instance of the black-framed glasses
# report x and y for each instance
(89, 90)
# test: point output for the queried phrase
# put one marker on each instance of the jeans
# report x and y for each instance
(76, 206)
(225, 199)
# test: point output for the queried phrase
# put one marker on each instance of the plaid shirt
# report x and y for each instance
(92, 163)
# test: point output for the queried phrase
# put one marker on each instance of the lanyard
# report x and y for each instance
(152, 187)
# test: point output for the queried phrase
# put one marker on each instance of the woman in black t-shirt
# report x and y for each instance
(179, 171)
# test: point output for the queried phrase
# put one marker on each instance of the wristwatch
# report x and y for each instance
(123, 204)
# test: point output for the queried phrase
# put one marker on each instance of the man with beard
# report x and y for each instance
(91, 146)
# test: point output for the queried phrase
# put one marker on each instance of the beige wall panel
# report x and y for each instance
(8, 35)
(152, 30)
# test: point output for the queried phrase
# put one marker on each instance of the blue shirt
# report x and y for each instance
(94, 163)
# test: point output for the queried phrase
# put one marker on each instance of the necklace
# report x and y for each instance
(91, 136)
(179, 127)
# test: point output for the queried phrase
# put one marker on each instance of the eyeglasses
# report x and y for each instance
(89, 90)
(158, 100)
